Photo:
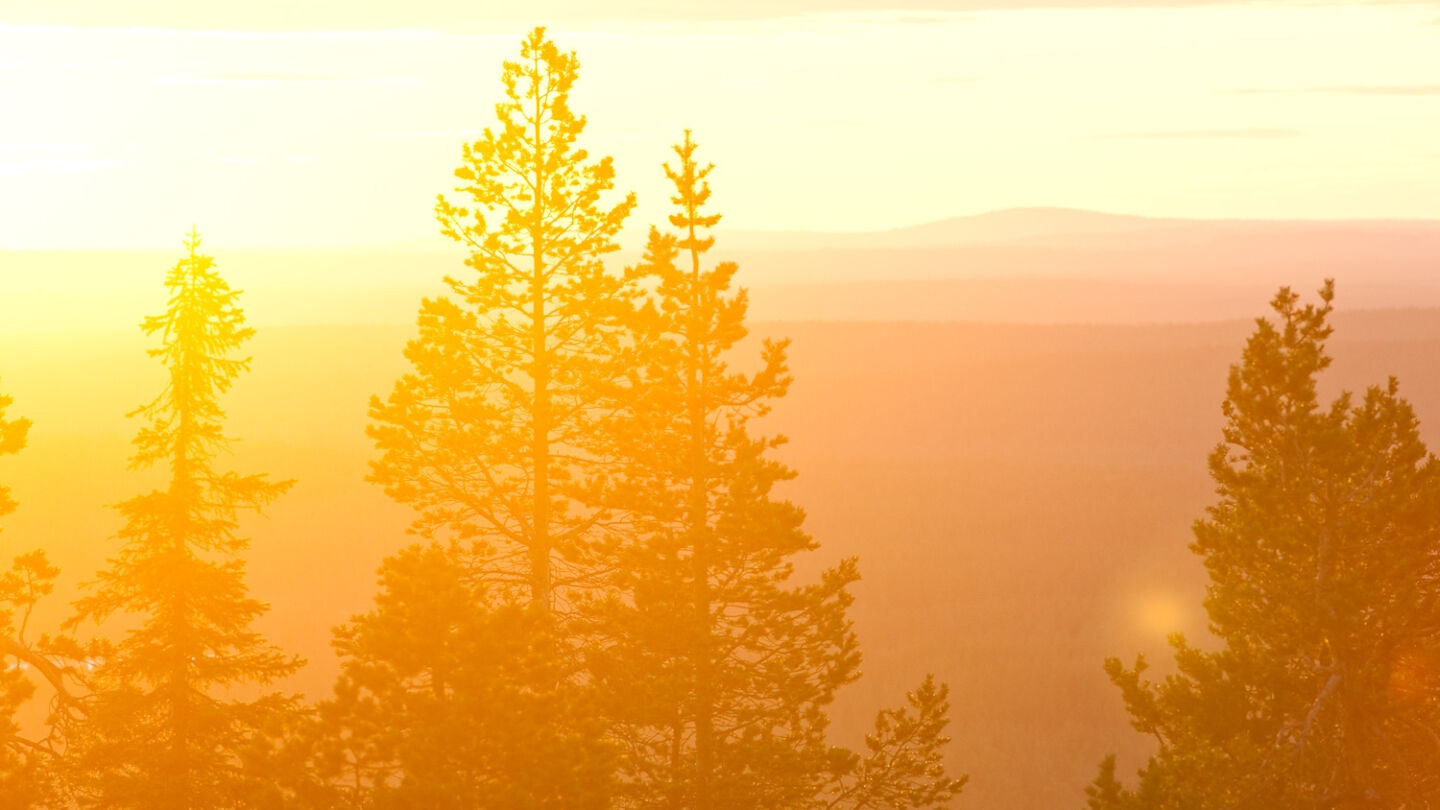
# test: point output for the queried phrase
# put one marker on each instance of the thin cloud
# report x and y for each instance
(1349, 90)
(959, 79)
(26, 65)
(428, 17)
(468, 134)
(1253, 133)
(19, 168)
(101, 23)
(43, 148)
(273, 79)
(923, 19)
(857, 14)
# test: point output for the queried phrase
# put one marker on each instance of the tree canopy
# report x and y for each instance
(1321, 550)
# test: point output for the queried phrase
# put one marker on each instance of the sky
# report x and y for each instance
(335, 124)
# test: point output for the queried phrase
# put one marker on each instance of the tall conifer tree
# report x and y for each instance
(491, 439)
(487, 438)
(161, 728)
(1323, 551)
(724, 667)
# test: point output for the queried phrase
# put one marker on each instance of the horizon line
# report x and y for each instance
(441, 245)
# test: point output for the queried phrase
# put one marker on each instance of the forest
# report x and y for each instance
(602, 595)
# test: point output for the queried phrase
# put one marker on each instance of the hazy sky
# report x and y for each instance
(336, 123)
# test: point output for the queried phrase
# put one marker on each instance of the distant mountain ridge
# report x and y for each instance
(1052, 224)
(1022, 265)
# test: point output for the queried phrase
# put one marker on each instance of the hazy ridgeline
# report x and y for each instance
(598, 610)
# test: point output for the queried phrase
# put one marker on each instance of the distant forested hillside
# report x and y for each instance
(1020, 498)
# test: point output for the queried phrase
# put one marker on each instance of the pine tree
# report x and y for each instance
(492, 440)
(1322, 551)
(722, 668)
(162, 728)
(489, 436)
(903, 767)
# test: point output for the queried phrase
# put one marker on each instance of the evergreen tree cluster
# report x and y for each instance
(601, 608)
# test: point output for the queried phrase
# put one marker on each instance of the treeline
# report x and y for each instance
(601, 609)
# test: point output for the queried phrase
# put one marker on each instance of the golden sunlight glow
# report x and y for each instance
(1159, 614)
(336, 130)
(719, 404)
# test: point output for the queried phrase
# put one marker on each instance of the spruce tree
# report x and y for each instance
(722, 667)
(1323, 551)
(176, 702)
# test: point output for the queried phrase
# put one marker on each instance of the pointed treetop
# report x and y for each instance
(692, 193)
(192, 241)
